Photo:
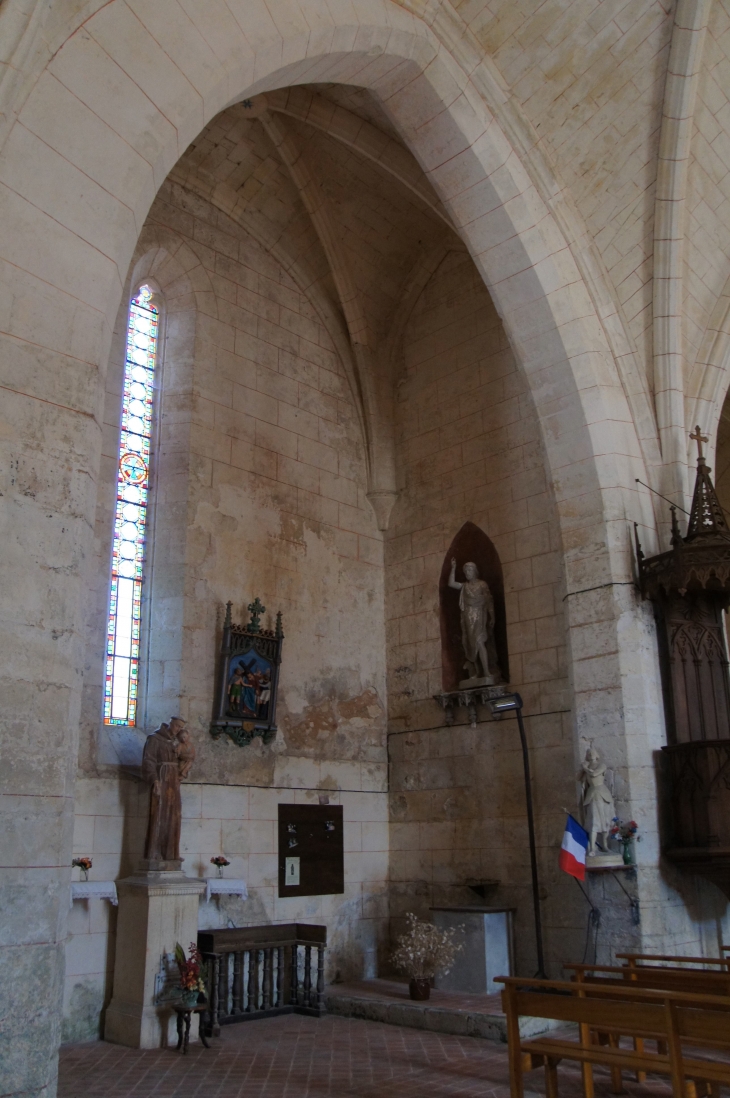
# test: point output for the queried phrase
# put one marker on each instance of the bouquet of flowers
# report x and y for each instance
(189, 968)
(84, 864)
(623, 833)
(219, 862)
(423, 951)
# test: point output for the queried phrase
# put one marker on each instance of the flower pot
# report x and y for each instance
(420, 989)
(190, 998)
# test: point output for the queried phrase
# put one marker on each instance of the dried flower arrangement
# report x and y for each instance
(84, 864)
(189, 968)
(423, 951)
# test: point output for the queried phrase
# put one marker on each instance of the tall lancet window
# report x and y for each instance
(130, 517)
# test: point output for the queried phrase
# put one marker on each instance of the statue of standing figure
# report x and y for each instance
(598, 808)
(168, 757)
(477, 627)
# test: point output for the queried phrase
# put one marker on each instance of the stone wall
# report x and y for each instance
(470, 449)
(259, 491)
(111, 817)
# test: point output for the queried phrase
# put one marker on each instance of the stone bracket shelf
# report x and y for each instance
(225, 886)
(468, 699)
(94, 890)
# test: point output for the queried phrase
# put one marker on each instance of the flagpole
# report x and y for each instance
(504, 704)
(533, 850)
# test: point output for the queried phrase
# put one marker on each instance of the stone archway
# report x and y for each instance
(105, 122)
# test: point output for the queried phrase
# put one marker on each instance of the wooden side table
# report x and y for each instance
(184, 1012)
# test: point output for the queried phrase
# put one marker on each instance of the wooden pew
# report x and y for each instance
(693, 980)
(699, 981)
(636, 960)
(668, 1016)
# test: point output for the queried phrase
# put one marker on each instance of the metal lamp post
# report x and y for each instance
(513, 703)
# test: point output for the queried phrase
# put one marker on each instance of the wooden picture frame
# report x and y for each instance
(248, 678)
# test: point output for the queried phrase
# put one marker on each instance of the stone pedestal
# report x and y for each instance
(157, 908)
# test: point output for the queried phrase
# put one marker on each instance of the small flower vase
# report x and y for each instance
(220, 870)
(84, 874)
(189, 998)
(419, 989)
(626, 852)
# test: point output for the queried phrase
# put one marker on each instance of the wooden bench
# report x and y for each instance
(636, 960)
(670, 1017)
(692, 980)
(698, 981)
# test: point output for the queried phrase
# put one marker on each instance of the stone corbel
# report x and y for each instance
(468, 699)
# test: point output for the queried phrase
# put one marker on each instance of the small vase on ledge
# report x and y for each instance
(419, 989)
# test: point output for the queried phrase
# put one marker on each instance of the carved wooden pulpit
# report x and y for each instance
(690, 588)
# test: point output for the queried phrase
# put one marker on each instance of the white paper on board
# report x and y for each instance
(291, 872)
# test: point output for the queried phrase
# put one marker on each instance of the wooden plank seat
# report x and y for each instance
(604, 1014)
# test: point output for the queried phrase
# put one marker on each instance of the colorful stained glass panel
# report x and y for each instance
(125, 597)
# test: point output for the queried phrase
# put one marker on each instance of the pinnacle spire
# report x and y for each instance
(706, 514)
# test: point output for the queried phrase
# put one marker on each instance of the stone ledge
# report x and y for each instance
(427, 1015)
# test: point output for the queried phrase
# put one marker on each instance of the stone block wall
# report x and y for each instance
(111, 818)
(259, 490)
(470, 449)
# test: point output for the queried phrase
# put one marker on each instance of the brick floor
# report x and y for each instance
(300, 1057)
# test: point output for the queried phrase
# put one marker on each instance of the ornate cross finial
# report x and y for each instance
(699, 438)
(257, 610)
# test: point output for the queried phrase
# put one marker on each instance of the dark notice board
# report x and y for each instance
(312, 833)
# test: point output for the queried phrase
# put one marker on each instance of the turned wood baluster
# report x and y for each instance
(266, 980)
(279, 976)
(307, 975)
(223, 985)
(251, 1001)
(320, 977)
(237, 1004)
(215, 996)
(258, 958)
(294, 994)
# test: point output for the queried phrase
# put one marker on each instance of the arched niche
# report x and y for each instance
(470, 544)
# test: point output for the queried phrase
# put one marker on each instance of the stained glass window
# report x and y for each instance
(130, 516)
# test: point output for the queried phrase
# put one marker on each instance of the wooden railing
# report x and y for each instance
(259, 971)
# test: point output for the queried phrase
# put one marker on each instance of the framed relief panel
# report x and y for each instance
(248, 678)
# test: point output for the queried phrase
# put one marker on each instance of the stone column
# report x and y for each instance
(157, 908)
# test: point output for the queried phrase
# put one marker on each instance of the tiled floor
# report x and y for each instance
(299, 1057)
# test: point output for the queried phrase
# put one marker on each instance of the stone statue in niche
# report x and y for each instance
(168, 757)
(477, 627)
(598, 808)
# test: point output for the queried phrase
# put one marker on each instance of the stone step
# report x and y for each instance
(446, 1012)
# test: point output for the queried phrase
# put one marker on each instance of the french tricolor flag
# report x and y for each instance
(573, 849)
